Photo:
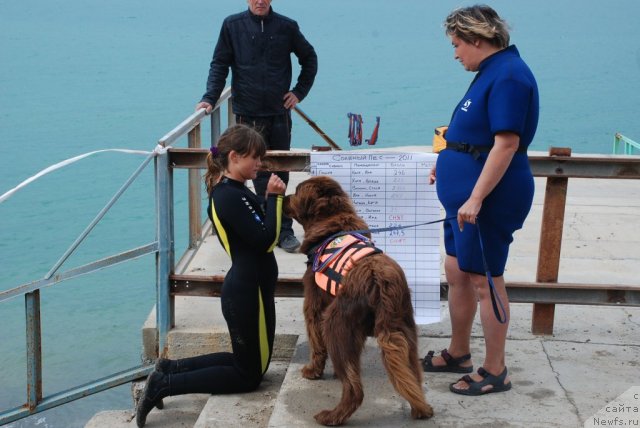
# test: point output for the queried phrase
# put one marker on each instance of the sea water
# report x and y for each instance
(80, 76)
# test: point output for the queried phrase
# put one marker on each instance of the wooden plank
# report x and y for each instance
(582, 166)
(519, 292)
(555, 198)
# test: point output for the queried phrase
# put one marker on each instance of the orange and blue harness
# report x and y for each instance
(336, 256)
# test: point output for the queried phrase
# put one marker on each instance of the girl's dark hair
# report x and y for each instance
(478, 22)
(243, 140)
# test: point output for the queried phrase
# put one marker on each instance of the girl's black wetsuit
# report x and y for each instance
(248, 234)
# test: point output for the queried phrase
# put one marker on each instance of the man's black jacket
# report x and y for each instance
(258, 51)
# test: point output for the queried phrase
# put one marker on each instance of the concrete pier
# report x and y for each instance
(561, 380)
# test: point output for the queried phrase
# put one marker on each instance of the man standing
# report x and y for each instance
(257, 45)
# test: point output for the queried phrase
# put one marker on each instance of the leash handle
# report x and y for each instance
(498, 307)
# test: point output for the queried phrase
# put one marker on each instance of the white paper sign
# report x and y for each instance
(392, 189)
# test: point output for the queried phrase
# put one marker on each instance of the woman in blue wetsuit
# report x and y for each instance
(248, 231)
(484, 182)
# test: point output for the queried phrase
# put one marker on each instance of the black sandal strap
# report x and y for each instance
(428, 358)
(451, 361)
(466, 378)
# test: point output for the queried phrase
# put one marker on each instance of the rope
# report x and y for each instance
(159, 150)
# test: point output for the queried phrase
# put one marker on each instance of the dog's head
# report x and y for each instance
(316, 199)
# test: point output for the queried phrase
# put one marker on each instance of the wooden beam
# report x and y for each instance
(555, 197)
(519, 292)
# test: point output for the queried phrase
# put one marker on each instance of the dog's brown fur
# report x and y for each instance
(373, 301)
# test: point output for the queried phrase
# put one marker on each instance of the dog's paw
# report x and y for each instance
(424, 413)
(311, 373)
(329, 418)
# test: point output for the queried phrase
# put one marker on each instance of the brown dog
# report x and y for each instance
(373, 301)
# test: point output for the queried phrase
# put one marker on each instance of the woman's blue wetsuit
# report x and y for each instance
(503, 97)
(248, 234)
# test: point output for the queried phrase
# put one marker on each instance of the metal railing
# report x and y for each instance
(31, 291)
(624, 146)
(162, 247)
(192, 127)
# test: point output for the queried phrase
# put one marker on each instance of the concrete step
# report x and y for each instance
(558, 381)
(250, 410)
(201, 329)
(178, 412)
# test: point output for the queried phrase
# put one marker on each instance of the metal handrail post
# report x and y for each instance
(616, 143)
(34, 349)
(216, 129)
(165, 256)
(231, 118)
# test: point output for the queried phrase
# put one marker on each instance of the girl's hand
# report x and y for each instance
(276, 185)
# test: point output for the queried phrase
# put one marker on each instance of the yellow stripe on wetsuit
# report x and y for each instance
(279, 200)
(222, 234)
(262, 334)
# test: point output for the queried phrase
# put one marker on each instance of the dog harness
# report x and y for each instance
(336, 256)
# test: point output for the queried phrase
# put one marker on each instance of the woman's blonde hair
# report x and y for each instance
(243, 140)
(478, 22)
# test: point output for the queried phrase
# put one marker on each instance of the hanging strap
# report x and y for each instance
(498, 307)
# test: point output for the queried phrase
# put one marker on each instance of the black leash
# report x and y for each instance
(389, 229)
(324, 243)
(495, 299)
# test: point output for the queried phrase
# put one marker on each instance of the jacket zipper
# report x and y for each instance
(262, 25)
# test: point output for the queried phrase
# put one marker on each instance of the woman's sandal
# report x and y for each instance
(452, 364)
(476, 387)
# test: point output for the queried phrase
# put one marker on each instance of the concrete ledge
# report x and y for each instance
(201, 329)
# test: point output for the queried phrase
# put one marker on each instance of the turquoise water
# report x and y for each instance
(82, 76)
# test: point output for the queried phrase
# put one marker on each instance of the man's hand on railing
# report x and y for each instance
(204, 105)
(290, 100)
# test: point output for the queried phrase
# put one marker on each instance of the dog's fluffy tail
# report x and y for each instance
(397, 361)
(397, 335)
(380, 287)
